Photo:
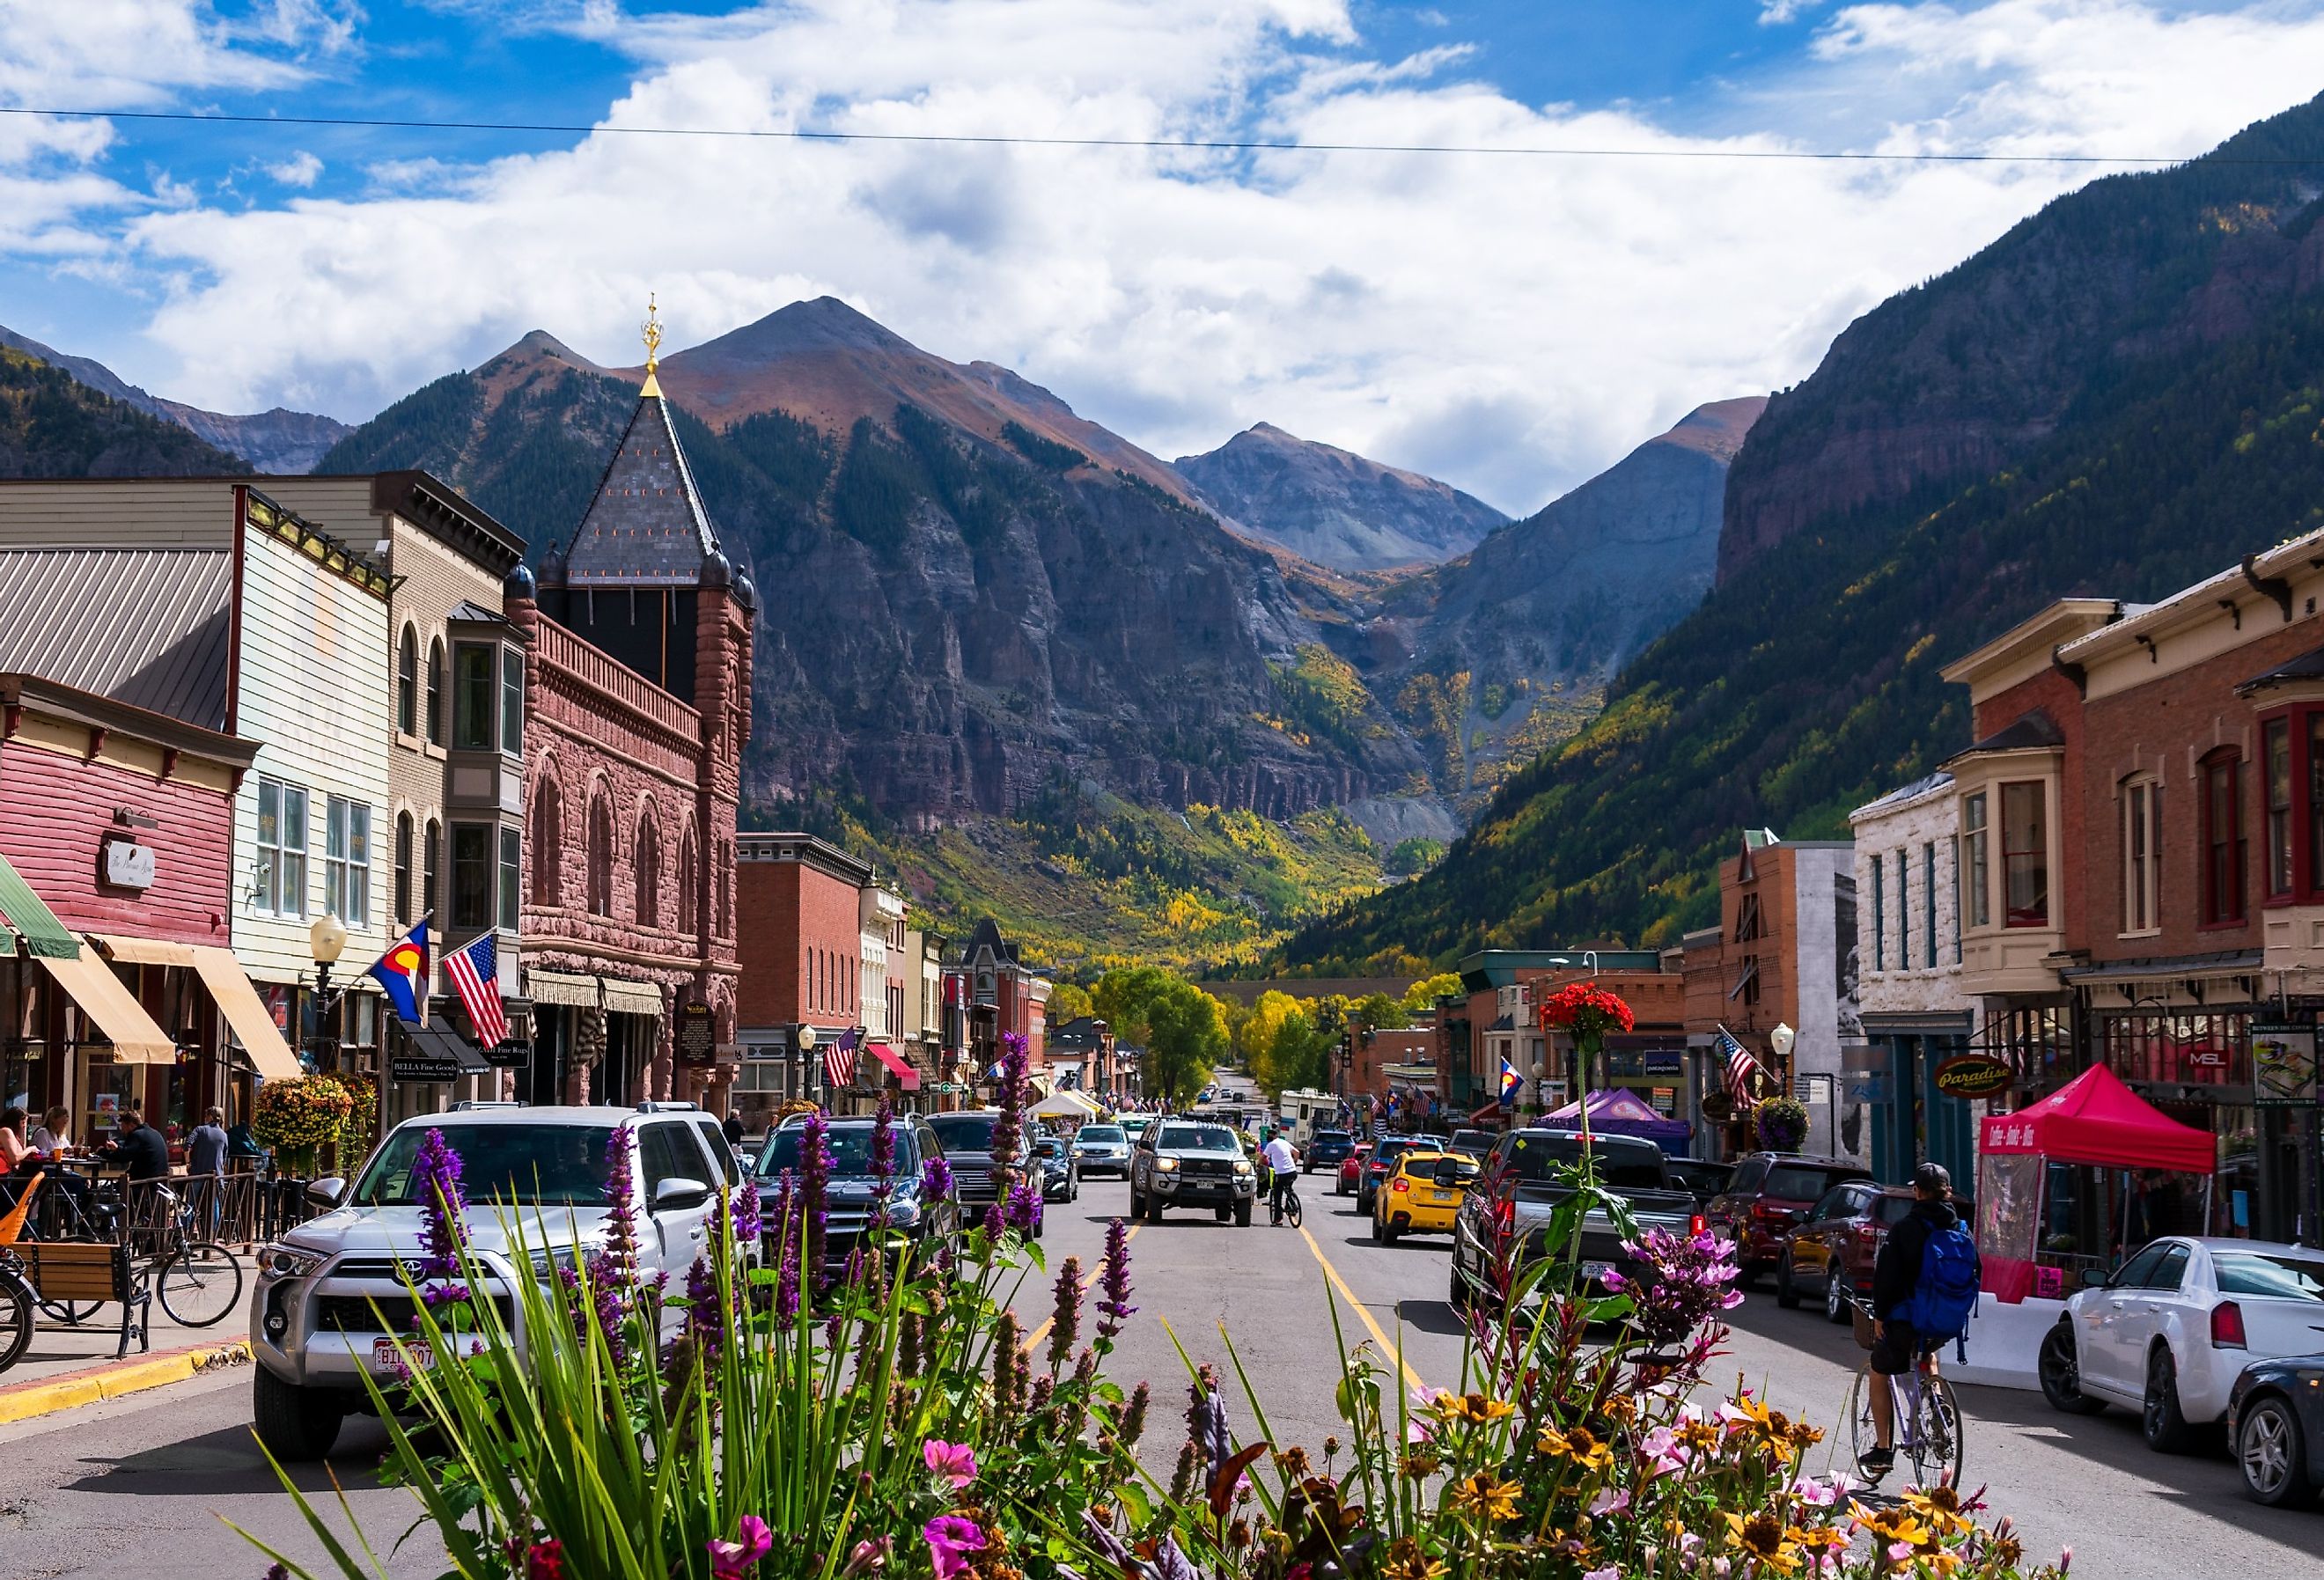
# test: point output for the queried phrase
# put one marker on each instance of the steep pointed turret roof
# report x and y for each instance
(647, 526)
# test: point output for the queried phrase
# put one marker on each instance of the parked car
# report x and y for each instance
(1831, 1251)
(323, 1311)
(1706, 1179)
(1423, 1194)
(1133, 1125)
(1504, 1214)
(1328, 1150)
(1060, 1172)
(1378, 1160)
(966, 1137)
(853, 1189)
(1770, 1193)
(2171, 1330)
(1476, 1143)
(2275, 1428)
(1103, 1149)
(1352, 1168)
(1185, 1163)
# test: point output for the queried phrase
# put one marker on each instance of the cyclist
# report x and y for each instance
(1283, 1172)
(1924, 1291)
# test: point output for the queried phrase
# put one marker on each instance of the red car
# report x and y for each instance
(1832, 1251)
(1770, 1194)
(1352, 1168)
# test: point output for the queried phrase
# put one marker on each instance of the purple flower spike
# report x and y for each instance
(1113, 1281)
(444, 1230)
(814, 1188)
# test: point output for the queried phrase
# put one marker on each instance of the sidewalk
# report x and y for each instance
(68, 1366)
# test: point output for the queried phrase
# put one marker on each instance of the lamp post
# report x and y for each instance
(1781, 1040)
(325, 940)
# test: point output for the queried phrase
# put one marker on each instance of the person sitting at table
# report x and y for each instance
(51, 1136)
(14, 1148)
(138, 1147)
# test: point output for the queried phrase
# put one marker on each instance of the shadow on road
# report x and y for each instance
(223, 1464)
(1436, 1317)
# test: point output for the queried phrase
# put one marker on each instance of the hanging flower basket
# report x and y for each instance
(1783, 1124)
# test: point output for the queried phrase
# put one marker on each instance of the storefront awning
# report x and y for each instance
(128, 951)
(245, 1012)
(45, 937)
(112, 1007)
(441, 1043)
(632, 998)
(561, 987)
(906, 1076)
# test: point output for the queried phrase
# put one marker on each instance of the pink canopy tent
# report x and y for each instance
(1618, 1110)
(2095, 1119)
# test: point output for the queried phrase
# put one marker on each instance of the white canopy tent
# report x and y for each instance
(1067, 1105)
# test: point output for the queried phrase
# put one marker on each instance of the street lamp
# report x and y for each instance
(325, 940)
(802, 1049)
(1781, 1039)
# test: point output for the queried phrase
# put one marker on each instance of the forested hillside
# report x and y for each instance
(53, 425)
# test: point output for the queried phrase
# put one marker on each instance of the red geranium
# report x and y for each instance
(1587, 1011)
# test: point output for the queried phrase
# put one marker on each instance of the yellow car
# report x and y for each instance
(1421, 1194)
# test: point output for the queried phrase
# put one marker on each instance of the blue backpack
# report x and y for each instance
(1945, 1295)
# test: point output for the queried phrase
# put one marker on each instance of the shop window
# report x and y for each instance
(2025, 854)
(512, 701)
(2223, 844)
(430, 852)
(471, 876)
(548, 845)
(2275, 749)
(403, 869)
(649, 865)
(1976, 891)
(346, 860)
(407, 683)
(436, 692)
(601, 859)
(472, 690)
(2142, 856)
(511, 877)
(281, 881)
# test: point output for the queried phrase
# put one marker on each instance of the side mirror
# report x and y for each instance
(2095, 1278)
(1448, 1174)
(325, 1193)
(674, 1194)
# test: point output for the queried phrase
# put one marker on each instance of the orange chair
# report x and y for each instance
(12, 1225)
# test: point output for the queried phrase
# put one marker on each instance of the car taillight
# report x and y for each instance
(1399, 1184)
(2226, 1326)
(1868, 1233)
(1696, 1226)
(1768, 1212)
(1504, 1214)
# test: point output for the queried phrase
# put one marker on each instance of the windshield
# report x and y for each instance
(1892, 1210)
(1102, 1132)
(964, 1133)
(1330, 1135)
(2282, 1277)
(1538, 1159)
(1049, 1147)
(1197, 1138)
(1788, 1182)
(848, 1147)
(560, 1165)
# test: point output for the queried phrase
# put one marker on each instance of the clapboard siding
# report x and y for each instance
(57, 852)
(313, 687)
(341, 506)
(159, 513)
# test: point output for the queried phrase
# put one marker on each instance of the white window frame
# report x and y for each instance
(2138, 822)
(346, 860)
(283, 864)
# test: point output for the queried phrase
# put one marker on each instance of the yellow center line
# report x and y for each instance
(1033, 1338)
(1411, 1378)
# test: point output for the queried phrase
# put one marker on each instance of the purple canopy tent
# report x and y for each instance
(1618, 1110)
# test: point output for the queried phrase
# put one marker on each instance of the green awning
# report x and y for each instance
(33, 921)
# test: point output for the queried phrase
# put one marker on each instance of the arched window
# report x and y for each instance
(407, 683)
(601, 858)
(436, 692)
(403, 857)
(648, 860)
(725, 889)
(435, 839)
(547, 831)
(687, 921)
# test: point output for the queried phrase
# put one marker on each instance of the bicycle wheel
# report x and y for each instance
(16, 1304)
(199, 1286)
(1291, 1208)
(1937, 1446)
(1863, 1432)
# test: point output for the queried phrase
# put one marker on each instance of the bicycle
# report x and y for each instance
(1926, 1415)
(1287, 1206)
(199, 1282)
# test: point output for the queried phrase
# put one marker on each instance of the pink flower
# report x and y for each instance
(950, 1540)
(1609, 1501)
(952, 1462)
(752, 1541)
(1610, 1572)
(1816, 1494)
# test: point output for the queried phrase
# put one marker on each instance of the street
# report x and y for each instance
(145, 1483)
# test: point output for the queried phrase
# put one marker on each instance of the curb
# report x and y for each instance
(95, 1384)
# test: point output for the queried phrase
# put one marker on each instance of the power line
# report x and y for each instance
(1186, 144)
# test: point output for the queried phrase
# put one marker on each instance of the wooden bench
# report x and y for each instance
(84, 1271)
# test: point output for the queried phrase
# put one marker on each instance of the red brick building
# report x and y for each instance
(1001, 994)
(637, 708)
(801, 932)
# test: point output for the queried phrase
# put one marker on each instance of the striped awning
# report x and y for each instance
(28, 918)
(632, 998)
(567, 988)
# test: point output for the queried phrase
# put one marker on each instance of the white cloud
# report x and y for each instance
(301, 170)
(1509, 322)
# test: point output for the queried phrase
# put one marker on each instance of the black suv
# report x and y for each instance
(928, 1221)
(967, 1139)
(1328, 1150)
(1185, 1163)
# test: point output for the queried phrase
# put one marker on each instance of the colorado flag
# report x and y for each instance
(402, 971)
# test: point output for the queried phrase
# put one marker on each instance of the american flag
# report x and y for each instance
(839, 1060)
(1742, 1069)
(475, 975)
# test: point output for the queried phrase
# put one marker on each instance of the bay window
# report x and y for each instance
(471, 875)
(2222, 840)
(2024, 853)
(1974, 890)
(2276, 753)
(474, 686)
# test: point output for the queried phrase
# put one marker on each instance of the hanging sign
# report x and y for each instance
(2283, 1064)
(698, 1038)
(1972, 1075)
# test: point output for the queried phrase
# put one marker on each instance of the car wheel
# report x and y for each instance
(1242, 1215)
(2165, 1429)
(1746, 1274)
(2060, 1367)
(1153, 1209)
(1835, 1298)
(1137, 1204)
(1378, 1237)
(2270, 1453)
(1787, 1294)
(1457, 1296)
(1388, 1233)
(295, 1424)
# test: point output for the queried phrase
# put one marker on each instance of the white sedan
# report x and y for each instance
(2176, 1323)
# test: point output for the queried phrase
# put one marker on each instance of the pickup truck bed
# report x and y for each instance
(1508, 1214)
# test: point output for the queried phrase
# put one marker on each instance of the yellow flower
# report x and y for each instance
(1577, 1444)
(1418, 1464)
(1407, 1560)
(1472, 1410)
(1698, 1436)
(1770, 1545)
(1480, 1497)
(1621, 1409)
(1941, 1506)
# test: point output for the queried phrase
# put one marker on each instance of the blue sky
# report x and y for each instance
(1512, 324)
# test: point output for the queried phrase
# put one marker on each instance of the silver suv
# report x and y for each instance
(314, 1330)
(1185, 1163)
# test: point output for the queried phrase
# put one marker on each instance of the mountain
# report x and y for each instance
(1968, 451)
(1332, 507)
(53, 425)
(1512, 644)
(278, 440)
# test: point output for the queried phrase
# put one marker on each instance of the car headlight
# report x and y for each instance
(1243, 1166)
(1167, 1165)
(555, 1259)
(287, 1261)
(903, 1214)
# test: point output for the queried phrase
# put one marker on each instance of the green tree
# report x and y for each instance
(1122, 997)
(1281, 1044)
(1069, 1002)
(1187, 1036)
(1376, 1011)
(1421, 996)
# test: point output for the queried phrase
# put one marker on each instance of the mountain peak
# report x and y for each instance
(823, 323)
(1334, 507)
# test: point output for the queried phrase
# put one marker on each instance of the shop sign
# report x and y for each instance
(506, 1056)
(414, 1068)
(2283, 1064)
(1972, 1075)
(128, 865)
(697, 1034)
(2207, 1056)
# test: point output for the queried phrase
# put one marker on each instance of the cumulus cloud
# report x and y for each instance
(301, 170)
(1509, 321)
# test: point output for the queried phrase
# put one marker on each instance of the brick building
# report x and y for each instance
(1497, 1022)
(999, 993)
(636, 709)
(801, 925)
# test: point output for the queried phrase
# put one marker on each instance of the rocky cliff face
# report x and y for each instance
(1333, 507)
(279, 441)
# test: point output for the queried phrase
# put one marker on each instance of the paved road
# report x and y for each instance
(107, 1490)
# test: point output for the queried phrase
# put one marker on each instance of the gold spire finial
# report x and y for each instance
(651, 329)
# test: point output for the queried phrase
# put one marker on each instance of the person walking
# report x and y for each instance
(206, 1151)
(733, 1127)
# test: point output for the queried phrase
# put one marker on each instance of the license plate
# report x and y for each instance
(1442, 1196)
(417, 1354)
(1596, 1269)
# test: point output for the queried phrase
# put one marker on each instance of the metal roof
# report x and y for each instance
(145, 626)
(647, 526)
